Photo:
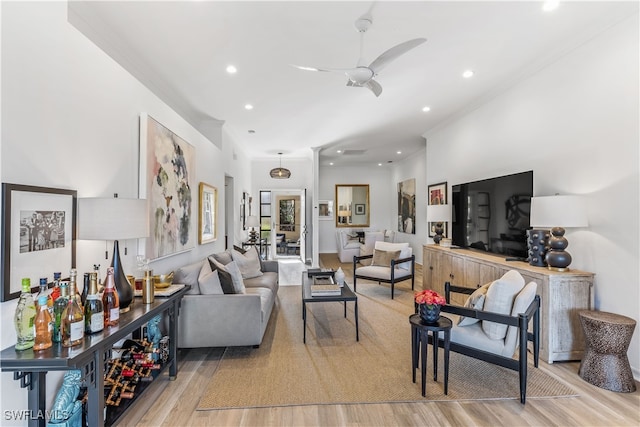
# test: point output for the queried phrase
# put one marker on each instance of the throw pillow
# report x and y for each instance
(475, 302)
(499, 299)
(404, 248)
(209, 281)
(225, 278)
(223, 258)
(248, 262)
(188, 275)
(520, 305)
(383, 258)
(236, 277)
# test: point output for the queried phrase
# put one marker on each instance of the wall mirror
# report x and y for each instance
(352, 205)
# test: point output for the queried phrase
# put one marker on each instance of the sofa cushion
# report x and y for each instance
(225, 277)
(188, 275)
(223, 258)
(499, 299)
(236, 277)
(268, 280)
(383, 258)
(209, 281)
(474, 302)
(248, 263)
(383, 273)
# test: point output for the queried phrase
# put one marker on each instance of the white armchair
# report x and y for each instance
(370, 238)
(385, 267)
(347, 247)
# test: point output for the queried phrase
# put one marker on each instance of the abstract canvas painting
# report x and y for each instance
(167, 181)
(407, 206)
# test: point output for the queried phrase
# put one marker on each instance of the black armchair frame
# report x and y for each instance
(392, 279)
(521, 322)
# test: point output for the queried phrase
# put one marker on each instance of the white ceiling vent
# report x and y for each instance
(353, 152)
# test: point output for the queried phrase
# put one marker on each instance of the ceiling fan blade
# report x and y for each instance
(383, 60)
(374, 86)
(325, 70)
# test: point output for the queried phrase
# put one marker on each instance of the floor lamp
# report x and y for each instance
(114, 219)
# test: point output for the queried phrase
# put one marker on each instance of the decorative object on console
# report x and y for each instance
(26, 212)
(558, 212)
(429, 303)
(280, 172)
(537, 242)
(114, 219)
(407, 206)
(253, 222)
(437, 216)
(436, 195)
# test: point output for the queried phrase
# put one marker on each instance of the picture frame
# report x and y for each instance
(407, 206)
(287, 215)
(325, 210)
(437, 195)
(208, 213)
(167, 181)
(360, 209)
(38, 235)
(243, 210)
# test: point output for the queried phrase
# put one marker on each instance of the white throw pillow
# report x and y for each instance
(209, 281)
(475, 302)
(248, 263)
(499, 299)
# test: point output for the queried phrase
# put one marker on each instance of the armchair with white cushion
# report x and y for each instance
(370, 239)
(493, 324)
(390, 263)
(348, 246)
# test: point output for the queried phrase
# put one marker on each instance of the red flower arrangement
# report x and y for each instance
(429, 297)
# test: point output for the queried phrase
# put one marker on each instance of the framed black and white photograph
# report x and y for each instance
(208, 203)
(437, 195)
(38, 235)
(360, 209)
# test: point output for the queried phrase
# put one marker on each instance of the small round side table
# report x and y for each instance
(605, 363)
(420, 341)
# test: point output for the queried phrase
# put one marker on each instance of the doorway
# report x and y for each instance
(283, 220)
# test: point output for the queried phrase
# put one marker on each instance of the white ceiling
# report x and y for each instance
(180, 50)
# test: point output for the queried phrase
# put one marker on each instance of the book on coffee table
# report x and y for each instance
(325, 290)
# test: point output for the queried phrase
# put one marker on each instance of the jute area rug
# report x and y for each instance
(332, 368)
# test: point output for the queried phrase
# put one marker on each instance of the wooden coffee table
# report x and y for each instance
(346, 295)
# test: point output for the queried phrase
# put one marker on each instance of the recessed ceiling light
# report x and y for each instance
(467, 74)
(331, 164)
(338, 151)
(548, 6)
(426, 109)
(231, 69)
(398, 152)
(248, 107)
(379, 164)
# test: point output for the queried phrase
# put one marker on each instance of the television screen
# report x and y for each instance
(492, 215)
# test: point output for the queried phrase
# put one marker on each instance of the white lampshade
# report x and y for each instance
(438, 213)
(558, 211)
(252, 221)
(112, 219)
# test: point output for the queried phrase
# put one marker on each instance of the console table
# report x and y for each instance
(562, 294)
(31, 367)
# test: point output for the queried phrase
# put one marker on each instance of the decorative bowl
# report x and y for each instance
(162, 281)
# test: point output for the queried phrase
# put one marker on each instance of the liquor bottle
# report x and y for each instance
(73, 287)
(55, 292)
(85, 288)
(44, 327)
(44, 290)
(25, 317)
(110, 301)
(93, 308)
(58, 308)
(72, 324)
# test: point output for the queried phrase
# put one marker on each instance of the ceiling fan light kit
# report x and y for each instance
(280, 172)
(362, 75)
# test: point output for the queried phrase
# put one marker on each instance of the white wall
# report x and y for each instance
(70, 120)
(575, 124)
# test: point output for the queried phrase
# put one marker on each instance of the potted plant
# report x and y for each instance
(429, 303)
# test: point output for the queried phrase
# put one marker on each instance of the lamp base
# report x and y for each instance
(123, 287)
(439, 229)
(557, 258)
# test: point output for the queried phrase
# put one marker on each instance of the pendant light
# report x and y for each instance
(280, 172)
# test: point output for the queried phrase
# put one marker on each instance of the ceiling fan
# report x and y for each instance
(362, 75)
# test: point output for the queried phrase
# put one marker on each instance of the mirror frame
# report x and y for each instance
(337, 206)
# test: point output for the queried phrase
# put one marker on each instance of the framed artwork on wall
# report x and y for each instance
(38, 234)
(407, 206)
(167, 181)
(360, 209)
(325, 209)
(208, 213)
(437, 195)
(287, 215)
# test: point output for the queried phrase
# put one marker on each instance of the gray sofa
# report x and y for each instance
(228, 319)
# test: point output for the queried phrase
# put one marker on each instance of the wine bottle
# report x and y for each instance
(25, 317)
(58, 308)
(110, 301)
(55, 292)
(72, 324)
(93, 308)
(44, 326)
(73, 288)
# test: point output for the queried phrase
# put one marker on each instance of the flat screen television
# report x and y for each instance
(492, 215)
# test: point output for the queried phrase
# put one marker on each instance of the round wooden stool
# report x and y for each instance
(605, 363)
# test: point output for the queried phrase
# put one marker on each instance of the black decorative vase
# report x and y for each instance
(557, 258)
(430, 313)
(537, 242)
(125, 291)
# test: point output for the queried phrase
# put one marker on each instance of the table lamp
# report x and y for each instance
(253, 222)
(439, 214)
(114, 219)
(557, 212)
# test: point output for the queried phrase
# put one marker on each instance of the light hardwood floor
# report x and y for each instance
(173, 403)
